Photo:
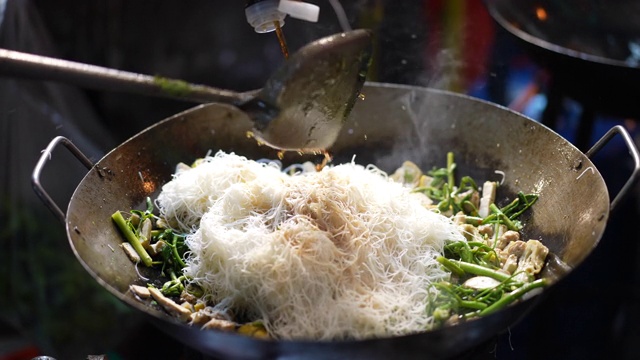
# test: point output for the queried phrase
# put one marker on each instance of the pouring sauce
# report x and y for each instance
(281, 39)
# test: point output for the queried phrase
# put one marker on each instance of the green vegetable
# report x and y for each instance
(170, 256)
(464, 259)
(513, 296)
(508, 214)
(443, 189)
(172, 253)
(469, 268)
(450, 265)
(173, 287)
(472, 252)
(125, 228)
(467, 259)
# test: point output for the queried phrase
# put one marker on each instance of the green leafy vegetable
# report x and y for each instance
(476, 257)
(170, 247)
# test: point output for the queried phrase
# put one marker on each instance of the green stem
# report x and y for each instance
(504, 218)
(450, 170)
(528, 201)
(511, 206)
(172, 274)
(132, 238)
(473, 305)
(474, 220)
(450, 265)
(174, 249)
(480, 270)
(513, 296)
(149, 205)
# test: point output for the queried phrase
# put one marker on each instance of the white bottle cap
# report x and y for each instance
(263, 15)
(300, 10)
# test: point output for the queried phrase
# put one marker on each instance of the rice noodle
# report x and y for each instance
(344, 253)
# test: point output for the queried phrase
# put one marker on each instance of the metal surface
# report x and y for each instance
(37, 172)
(315, 97)
(619, 130)
(37, 67)
(599, 31)
(392, 124)
(302, 106)
(591, 49)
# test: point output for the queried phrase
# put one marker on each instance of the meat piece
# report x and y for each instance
(516, 248)
(486, 229)
(145, 238)
(219, 324)
(189, 306)
(489, 239)
(140, 291)
(199, 318)
(188, 297)
(489, 229)
(508, 237)
(171, 306)
(203, 316)
(470, 232)
(131, 252)
(155, 249)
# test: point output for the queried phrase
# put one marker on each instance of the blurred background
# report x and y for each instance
(572, 66)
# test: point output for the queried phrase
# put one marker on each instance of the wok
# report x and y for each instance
(591, 49)
(599, 31)
(393, 124)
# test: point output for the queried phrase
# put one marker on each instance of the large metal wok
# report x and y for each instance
(393, 124)
(591, 49)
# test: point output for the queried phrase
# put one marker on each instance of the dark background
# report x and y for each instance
(50, 305)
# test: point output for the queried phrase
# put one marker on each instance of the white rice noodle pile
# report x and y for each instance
(344, 253)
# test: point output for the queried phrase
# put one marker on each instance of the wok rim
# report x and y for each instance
(538, 42)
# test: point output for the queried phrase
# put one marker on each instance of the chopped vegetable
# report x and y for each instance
(492, 267)
(171, 306)
(488, 268)
(133, 239)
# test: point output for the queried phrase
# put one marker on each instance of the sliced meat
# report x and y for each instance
(171, 306)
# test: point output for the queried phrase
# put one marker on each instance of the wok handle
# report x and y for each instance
(36, 67)
(46, 156)
(633, 151)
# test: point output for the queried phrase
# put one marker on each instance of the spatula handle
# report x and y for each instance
(36, 67)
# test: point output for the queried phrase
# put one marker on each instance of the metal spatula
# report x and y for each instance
(302, 106)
